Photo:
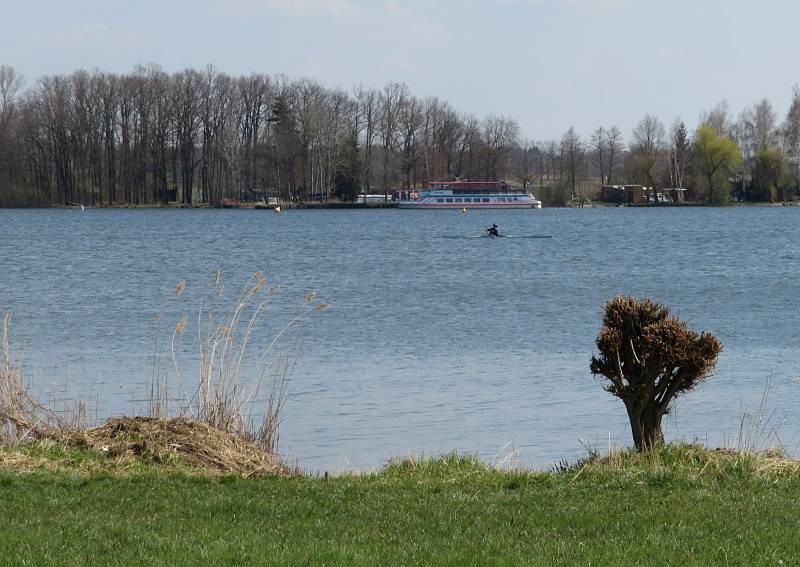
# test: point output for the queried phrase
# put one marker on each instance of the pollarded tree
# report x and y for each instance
(649, 359)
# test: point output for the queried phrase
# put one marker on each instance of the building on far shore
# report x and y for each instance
(641, 194)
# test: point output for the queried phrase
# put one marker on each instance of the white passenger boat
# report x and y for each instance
(467, 195)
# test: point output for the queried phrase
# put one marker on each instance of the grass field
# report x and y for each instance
(682, 506)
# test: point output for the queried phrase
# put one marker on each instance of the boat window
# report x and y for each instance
(486, 199)
(440, 200)
(449, 200)
(458, 200)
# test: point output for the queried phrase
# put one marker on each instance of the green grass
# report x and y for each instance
(681, 506)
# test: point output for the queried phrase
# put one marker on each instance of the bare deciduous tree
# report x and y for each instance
(718, 118)
(572, 154)
(647, 150)
(367, 100)
(791, 129)
(10, 85)
(615, 147)
(679, 154)
(391, 100)
(598, 147)
(500, 134)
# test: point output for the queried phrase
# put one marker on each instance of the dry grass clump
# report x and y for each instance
(18, 460)
(775, 463)
(691, 461)
(178, 441)
(134, 444)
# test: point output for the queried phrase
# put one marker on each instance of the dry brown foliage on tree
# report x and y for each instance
(649, 358)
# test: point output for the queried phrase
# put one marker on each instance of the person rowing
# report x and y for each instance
(492, 231)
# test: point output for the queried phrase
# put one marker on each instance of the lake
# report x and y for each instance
(433, 341)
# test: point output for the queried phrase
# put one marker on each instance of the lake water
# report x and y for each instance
(433, 342)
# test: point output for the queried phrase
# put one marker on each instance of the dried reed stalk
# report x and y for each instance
(22, 416)
(223, 397)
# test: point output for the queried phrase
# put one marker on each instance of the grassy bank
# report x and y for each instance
(680, 506)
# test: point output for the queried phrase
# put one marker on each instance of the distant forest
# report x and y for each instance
(204, 137)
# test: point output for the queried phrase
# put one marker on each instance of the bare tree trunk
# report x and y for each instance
(645, 426)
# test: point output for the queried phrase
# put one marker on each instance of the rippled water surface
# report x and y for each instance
(433, 341)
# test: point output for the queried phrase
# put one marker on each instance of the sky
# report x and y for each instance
(549, 64)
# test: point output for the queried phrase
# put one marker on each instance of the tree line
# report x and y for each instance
(753, 157)
(206, 137)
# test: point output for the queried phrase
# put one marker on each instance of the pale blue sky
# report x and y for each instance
(548, 63)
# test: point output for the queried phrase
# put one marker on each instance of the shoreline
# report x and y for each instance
(186, 445)
(391, 205)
